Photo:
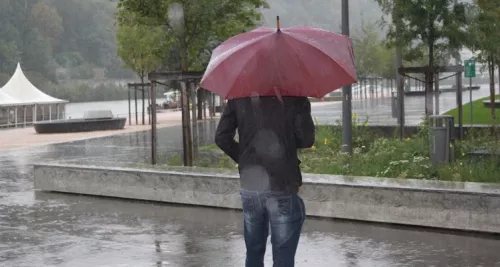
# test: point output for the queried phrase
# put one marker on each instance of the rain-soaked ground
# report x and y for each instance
(46, 229)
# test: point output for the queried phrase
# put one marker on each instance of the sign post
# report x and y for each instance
(470, 72)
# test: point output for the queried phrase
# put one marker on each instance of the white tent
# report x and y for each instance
(20, 92)
(8, 101)
(19, 87)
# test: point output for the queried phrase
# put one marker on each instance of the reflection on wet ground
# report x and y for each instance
(45, 229)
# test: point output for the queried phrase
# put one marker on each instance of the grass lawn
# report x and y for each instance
(480, 114)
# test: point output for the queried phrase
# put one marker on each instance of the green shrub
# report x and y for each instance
(377, 156)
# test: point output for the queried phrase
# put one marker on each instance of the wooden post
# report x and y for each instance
(136, 112)
(200, 93)
(436, 92)
(186, 127)
(153, 122)
(143, 104)
(129, 108)
(192, 94)
(205, 93)
(212, 105)
(428, 95)
(149, 103)
(459, 106)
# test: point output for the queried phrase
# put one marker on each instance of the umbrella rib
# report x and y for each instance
(238, 47)
(315, 47)
(254, 42)
(302, 63)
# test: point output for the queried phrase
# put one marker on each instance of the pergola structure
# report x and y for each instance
(457, 71)
(142, 87)
(186, 78)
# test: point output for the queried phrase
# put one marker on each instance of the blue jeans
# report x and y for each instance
(285, 213)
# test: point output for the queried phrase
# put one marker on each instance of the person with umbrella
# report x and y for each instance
(267, 75)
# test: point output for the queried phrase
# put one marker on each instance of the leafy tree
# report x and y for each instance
(427, 25)
(88, 30)
(46, 19)
(374, 55)
(9, 55)
(202, 21)
(325, 14)
(485, 37)
(141, 47)
(374, 58)
(37, 54)
(138, 48)
(367, 49)
(193, 24)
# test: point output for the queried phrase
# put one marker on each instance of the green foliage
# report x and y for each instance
(46, 20)
(140, 46)
(47, 34)
(435, 26)
(377, 156)
(9, 55)
(485, 29)
(373, 57)
(203, 21)
(376, 56)
(325, 14)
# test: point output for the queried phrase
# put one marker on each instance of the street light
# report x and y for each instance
(346, 92)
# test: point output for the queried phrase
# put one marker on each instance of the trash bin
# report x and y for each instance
(394, 104)
(442, 138)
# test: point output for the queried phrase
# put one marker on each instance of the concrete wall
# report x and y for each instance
(463, 206)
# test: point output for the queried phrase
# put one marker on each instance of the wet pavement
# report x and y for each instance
(378, 111)
(46, 229)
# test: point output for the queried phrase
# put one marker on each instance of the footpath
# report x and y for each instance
(27, 137)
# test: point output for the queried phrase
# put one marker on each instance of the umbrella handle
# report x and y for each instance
(278, 23)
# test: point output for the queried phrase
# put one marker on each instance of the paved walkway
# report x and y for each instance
(24, 137)
(378, 110)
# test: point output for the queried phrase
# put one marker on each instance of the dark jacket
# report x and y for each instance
(270, 132)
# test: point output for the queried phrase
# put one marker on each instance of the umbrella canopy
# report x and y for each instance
(297, 61)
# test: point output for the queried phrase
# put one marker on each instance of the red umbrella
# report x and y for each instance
(297, 61)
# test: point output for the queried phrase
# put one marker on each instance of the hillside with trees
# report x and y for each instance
(325, 14)
(59, 42)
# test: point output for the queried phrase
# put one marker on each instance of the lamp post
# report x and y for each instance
(346, 92)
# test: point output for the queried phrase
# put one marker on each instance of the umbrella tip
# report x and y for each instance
(278, 23)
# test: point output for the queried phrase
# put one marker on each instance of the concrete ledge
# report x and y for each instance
(448, 205)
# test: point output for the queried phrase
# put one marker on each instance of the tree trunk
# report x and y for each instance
(200, 94)
(187, 139)
(149, 104)
(143, 100)
(498, 65)
(491, 72)
(429, 76)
